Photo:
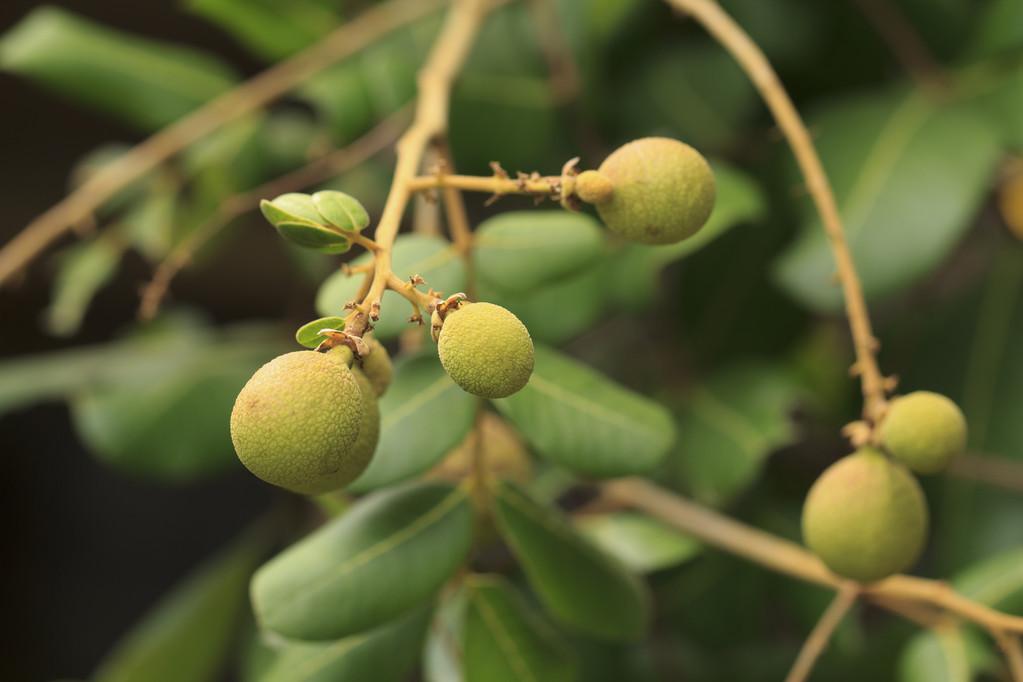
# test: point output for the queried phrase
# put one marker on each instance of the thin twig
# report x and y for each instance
(350, 38)
(338, 161)
(547, 186)
(821, 634)
(750, 57)
(787, 557)
(436, 78)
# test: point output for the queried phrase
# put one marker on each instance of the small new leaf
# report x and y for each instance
(341, 210)
(291, 208)
(309, 335)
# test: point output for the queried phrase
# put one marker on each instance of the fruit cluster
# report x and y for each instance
(309, 421)
(866, 516)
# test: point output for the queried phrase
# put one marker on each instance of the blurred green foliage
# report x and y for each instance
(716, 366)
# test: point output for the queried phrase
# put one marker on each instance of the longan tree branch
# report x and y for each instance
(750, 57)
(787, 557)
(821, 635)
(1013, 651)
(260, 90)
(498, 185)
(323, 168)
(435, 79)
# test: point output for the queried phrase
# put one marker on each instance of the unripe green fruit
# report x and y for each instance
(924, 430)
(486, 350)
(369, 430)
(663, 191)
(377, 367)
(296, 422)
(866, 517)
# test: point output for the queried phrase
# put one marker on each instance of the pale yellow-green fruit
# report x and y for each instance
(663, 191)
(486, 350)
(924, 430)
(866, 517)
(369, 430)
(296, 423)
(377, 367)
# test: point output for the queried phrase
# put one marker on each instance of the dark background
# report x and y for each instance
(89, 550)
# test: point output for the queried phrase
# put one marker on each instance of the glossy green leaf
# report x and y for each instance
(995, 581)
(189, 633)
(341, 210)
(385, 654)
(945, 654)
(642, 543)
(84, 269)
(293, 207)
(580, 585)
(314, 237)
(506, 641)
(906, 198)
(269, 28)
(309, 335)
(431, 257)
(730, 424)
(522, 250)
(576, 417)
(633, 274)
(144, 82)
(391, 552)
(423, 416)
(559, 311)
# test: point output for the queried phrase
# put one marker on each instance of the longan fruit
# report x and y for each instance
(924, 430)
(486, 350)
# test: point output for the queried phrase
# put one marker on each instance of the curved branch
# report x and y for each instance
(818, 640)
(750, 57)
(350, 38)
(787, 557)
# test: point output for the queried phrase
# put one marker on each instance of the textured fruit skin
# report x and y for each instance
(866, 517)
(663, 193)
(369, 430)
(924, 430)
(377, 367)
(296, 421)
(486, 350)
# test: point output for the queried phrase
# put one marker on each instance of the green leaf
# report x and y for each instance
(268, 28)
(506, 641)
(308, 334)
(580, 419)
(709, 99)
(522, 250)
(144, 82)
(84, 269)
(390, 553)
(559, 311)
(634, 272)
(188, 635)
(172, 426)
(908, 175)
(385, 654)
(423, 416)
(995, 581)
(293, 207)
(730, 425)
(580, 585)
(433, 258)
(1002, 101)
(642, 543)
(945, 654)
(314, 237)
(341, 210)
